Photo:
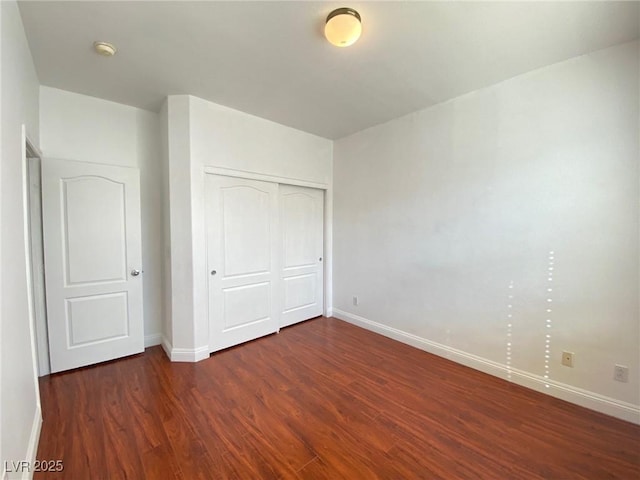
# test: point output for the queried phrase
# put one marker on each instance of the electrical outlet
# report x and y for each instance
(567, 359)
(621, 373)
(355, 301)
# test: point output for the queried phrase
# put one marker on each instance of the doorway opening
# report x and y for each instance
(34, 249)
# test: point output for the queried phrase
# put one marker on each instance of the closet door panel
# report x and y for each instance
(301, 230)
(242, 257)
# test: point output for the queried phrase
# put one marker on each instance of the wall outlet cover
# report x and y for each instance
(567, 359)
(621, 373)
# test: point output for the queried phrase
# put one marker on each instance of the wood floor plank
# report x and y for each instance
(274, 435)
(320, 400)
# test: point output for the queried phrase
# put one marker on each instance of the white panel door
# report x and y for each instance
(301, 223)
(242, 259)
(91, 226)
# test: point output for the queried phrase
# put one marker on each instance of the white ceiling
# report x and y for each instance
(270, 58)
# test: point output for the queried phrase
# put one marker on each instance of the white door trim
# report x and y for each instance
(36, 253)
(29, 149)
(229, 172)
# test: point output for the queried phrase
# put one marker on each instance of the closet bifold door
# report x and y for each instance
(301, 232)
(242, 259)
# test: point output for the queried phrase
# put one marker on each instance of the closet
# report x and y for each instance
(264, 257)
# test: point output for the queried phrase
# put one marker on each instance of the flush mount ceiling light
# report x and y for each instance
(104, 48)
(343, 27)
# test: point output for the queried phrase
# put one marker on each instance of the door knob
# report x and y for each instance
(135, 273)
(213, 272)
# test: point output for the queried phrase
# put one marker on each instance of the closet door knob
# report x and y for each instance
(213, 272)
(135, 273)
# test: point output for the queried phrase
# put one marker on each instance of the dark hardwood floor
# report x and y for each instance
(322, 399)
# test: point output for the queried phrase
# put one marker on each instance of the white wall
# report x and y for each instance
(227, 138)
(203, 134)
(438, 212)
(151, 205)
(20, 417)
(88, 129)
(182, 322)
(167, 325)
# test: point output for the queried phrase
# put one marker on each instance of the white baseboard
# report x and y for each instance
(152, 340)
(584, 398)
(32, 450)
(34, 439)
(202, 353)
(189, 354)
(184, 354)
(166, 346)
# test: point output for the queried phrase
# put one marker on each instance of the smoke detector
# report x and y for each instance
(104, 48)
